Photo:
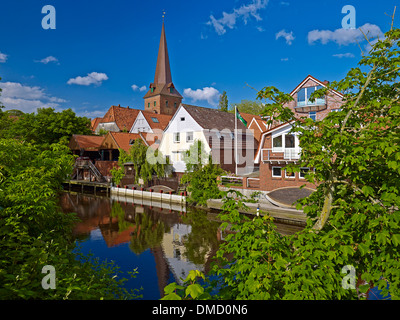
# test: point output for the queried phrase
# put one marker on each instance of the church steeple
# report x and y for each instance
(162, 96)
(163, 69)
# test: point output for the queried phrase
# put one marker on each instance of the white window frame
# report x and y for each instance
(272, 171)
(290, 177)
(318, 101)
(177, 135)
(307, 168)
(188, 135)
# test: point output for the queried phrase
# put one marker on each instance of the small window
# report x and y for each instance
(303, 172)
(166, 103)
(312, 115)
(155, 120)
(177, 137)
(183, 119)
(152, 89)
(290, 175)
(289, 141)
(277, 172)
(175, 104)
(148, 105)
(277, 142)
(171, 90)
(155, 103)
(189, 136)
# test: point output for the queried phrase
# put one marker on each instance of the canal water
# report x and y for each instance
(163, 242)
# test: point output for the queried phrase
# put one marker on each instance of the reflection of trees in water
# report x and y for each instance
(202, 241)
(147, 234)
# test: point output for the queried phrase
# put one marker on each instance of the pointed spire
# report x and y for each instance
(163, 70)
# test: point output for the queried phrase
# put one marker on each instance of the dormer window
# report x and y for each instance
(152, 89)
(155, 120)
(304, 96)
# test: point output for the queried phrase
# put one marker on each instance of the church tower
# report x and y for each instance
(162, 96)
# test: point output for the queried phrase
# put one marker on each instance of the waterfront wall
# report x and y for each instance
(153, 196)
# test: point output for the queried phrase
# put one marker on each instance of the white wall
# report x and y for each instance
(174, 150)
(140, 125)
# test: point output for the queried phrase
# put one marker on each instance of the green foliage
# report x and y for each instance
(202, 184)
(223, 102)
(201, 175)
(47, 127)
(190, 289)
(146, 162)
(35, 233)
(247, 106)
(353, 217)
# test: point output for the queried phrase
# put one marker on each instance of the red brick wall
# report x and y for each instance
(161, 107)
(269, 183)
(333, 101)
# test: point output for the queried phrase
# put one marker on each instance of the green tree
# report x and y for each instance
(353, 217)
(248, 106)
(35, 233)
(223, 102)
(201, 175)
(48, 126)
(146, 162)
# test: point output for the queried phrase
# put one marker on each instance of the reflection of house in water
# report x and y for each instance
(144, 228)
(174, 252)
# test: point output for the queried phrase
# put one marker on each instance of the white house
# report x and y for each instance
(215, 129)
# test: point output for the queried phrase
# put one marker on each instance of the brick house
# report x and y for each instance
(279, 146)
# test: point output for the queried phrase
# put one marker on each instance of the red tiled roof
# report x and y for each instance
(94, 123)
(163, 120)
(123, 117)
(123, 140)
(85, 142)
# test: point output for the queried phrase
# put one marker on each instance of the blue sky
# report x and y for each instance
(104, 52)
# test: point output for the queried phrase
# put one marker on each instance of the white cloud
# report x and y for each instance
(209, 94)
(344, 55)
(3, 57)
(25, 98)
(92, 78)
(137, 88)
(284, 59)
(345, 36)
(228, 20)
(288, 36)
(47, 60)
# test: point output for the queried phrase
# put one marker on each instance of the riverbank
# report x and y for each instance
(280, 215)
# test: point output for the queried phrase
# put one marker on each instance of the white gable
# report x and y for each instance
(140, 124)
(182, 121)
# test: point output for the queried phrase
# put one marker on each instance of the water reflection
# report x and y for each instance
(164, 241)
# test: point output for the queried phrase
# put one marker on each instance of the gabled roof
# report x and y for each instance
(88, 143)
(321, 83)
(123, 117)
(264, 134)
(162, 88)
(94, 123)
(213, 119)
(161, 122)
(121, 140)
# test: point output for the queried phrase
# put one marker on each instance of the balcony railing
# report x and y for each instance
(288, 154)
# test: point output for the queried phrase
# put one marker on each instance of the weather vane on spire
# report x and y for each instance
(163, 15)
